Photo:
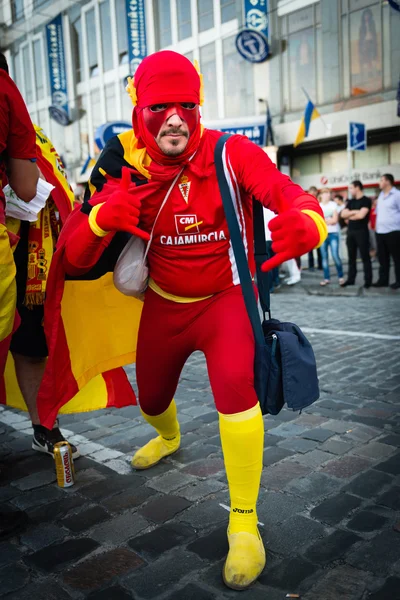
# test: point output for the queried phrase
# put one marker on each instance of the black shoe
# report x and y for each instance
(395, 286)
(367, 285)
(347, 283)
(44, 440)
(380, 284)
(11, 523)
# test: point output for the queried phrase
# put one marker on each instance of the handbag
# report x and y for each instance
(131, 273)
(285, 369)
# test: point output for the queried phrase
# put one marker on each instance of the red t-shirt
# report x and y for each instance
(17, 135)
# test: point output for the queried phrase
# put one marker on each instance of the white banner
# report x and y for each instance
(340, 180)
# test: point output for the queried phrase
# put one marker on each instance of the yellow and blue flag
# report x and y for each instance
(310, 114)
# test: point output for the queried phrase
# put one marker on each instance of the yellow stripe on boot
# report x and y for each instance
(242, 439)
(169, 439)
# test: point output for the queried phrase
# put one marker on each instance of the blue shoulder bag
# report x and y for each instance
(285, 370)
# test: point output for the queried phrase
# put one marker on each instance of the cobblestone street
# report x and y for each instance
(329, 503)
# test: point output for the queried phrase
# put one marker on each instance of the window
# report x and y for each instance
(97, 116)
(302, 43)
(17, 9)
(205, 10)
(26, 65)
(106, 39)
(38, 69)
(77, 48)
(208, 69)
(18, 71)
(162, 15)
(238, 81)
(184, 19)
(91, 43)
(83, 127)
(109, 91)
(228, 10)
(122, 31)
(365, 50)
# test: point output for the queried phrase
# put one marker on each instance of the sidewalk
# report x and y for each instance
(329, 503)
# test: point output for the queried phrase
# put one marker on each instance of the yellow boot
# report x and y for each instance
(166, 443)
(242, 438)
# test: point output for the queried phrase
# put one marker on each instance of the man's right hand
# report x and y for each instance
(121, 211)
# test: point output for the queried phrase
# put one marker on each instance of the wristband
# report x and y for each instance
(320, 225)
(93, 223)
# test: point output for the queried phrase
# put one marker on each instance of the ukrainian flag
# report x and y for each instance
(310, 114)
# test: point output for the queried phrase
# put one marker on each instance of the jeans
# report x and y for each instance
(331, 241)
(359, 240)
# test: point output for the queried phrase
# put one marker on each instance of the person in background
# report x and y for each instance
(357, 213)
(273, 278)
(340, 203)
(330, 210)
(388, 231)
(314, 192)
(18, 166)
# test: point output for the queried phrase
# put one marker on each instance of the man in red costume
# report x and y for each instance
(194, 300)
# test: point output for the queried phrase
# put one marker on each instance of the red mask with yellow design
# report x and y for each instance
(166, 92)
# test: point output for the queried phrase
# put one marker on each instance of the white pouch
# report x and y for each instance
(131, 273)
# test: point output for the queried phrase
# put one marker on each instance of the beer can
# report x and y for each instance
(64, 464)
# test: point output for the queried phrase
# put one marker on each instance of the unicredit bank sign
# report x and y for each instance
(340, 180)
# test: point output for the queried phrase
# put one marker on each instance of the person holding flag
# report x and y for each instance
(193, 296)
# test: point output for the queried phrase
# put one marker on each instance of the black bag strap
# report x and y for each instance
(261, 255)
(237, 242)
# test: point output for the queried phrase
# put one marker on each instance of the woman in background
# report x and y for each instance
(330, 210)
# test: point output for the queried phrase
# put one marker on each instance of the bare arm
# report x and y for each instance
(347, 213)
(23, 176)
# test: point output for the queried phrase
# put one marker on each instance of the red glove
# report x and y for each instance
(293, 234)
(122, 210)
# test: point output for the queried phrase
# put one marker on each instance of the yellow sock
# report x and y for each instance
(166, 424)
(242, 438)
(168, 441)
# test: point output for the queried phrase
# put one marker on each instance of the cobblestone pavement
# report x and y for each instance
(329, 502)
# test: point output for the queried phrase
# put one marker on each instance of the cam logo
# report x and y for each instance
(187, 224)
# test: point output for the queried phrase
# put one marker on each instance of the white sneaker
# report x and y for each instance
(293, 280)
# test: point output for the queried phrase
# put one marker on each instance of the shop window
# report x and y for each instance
(77, 48)
(162, 17)
(394, 149)
(238, 81)
(122, 31)
(306, 165)
(26, 65)
(228, 10)
(205, 10)
(208, 69)
(38, 69)
(92, 43)
(184, 14)
(106, 38)
(374, 156)
(334, 162)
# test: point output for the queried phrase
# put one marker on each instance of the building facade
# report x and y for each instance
(344, 54)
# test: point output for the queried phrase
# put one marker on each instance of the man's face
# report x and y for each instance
(353, 190)
(382, 183)
(172, 125)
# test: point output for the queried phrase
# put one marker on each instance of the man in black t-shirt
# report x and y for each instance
(357, 213)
